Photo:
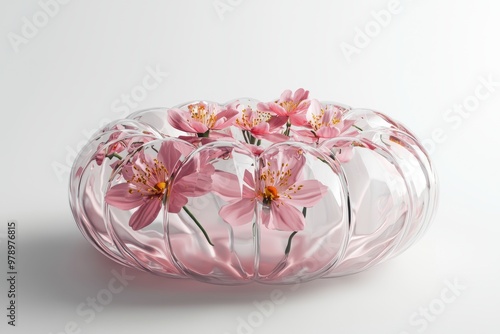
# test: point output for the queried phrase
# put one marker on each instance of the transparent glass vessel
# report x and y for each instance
(369, 197)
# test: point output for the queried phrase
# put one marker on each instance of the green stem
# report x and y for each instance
(199, 225)
(287, 130)
(116, 155)
(258, 142)
(252, 138)
(357, 127)
(204, 134)
(322, 160)
(245, 136)
(289, 244)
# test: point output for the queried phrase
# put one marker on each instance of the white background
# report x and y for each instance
(69, 76)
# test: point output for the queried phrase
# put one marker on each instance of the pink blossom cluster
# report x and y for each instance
(292, 116)
(150, 181)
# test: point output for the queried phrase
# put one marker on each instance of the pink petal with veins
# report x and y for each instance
(311, 193)
(176, 202)
(286, 96)
(120, 197)
(298, 119)
(146, 214)
(300, 95)
(238, 213)
(172, 153)
(327, 132)
(193, 185)
(225, 118)
(226, 185)
(177, 118)
(273, 108)
(283, 218)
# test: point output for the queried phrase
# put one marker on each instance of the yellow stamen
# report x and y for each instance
(160, 186)
(289, 105)
(200, 113)
(271, 193)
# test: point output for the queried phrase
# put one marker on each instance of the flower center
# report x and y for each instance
(335, 121)
(270, 194)
(200, 113)
(317, 121)
(150, 182)
(160, 186)
(255, 118)
(289, 105)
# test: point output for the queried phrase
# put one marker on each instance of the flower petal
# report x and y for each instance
(285, 160)
(226, 185)
(314, 110)
(305, 136)
(276, 122)
(300, 95)
(178, 119)
(225, 118)
(260, 129)
(275, 137)
(283, 217)
(169, 155)
(120, 197)
(175, 202)
(193, 185)
(100, 155)
(286, 96)
(298, 118)
(248, 179)
(311, 193)
(273, 108)
(172, 154)
(344, 154)
(195, 176)
(199, 127)
(238, 213)
(146, 214)
(328, 132)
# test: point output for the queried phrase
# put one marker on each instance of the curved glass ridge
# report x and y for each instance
(238, 205)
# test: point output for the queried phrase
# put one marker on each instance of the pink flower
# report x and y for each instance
(112, 150)
(282, 191)
(149, 183)
(293, 107)
(325, 122)
(343, 150)
(260, 124)
(109, 152)
(201, 117)
(119, 141)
